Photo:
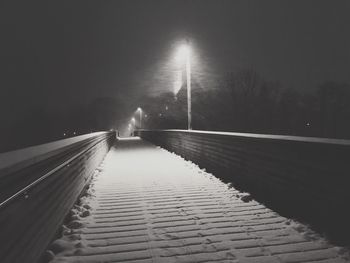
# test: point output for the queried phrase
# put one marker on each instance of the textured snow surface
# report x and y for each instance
(148, 205)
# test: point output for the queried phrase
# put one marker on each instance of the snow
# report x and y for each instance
(11, 158)
(269, 136)
(148, 205)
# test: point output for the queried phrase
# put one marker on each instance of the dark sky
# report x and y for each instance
(64, 52)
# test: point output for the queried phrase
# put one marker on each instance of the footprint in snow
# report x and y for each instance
(79, 251)
(171, 236)
(85, 213)
(75, 224)
(230, 255)
(207, 241)
(247, 198)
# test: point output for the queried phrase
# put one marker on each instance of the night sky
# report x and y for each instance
(59, 53)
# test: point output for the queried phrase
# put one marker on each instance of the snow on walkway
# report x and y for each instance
(149, 205)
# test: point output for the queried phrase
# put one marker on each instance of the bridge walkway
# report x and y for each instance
(148, 205)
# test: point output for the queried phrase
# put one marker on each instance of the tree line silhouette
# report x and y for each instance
(243, 101)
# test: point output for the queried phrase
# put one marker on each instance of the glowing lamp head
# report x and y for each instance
(183, 52)
(133, 119)
(138, 109)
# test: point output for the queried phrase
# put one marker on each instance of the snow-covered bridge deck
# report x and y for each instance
(148, 205)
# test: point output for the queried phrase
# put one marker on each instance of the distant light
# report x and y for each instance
(133, 119)
(139, 109)
(160, 115)
(146, 115)
(64, 134)
(308, 124)
(74, 133)
(166, 107)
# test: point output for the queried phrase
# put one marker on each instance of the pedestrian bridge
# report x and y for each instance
(97, 199)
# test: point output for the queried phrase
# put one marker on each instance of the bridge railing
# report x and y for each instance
(310, 175)
(38, 187)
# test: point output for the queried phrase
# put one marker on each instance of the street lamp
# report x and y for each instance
(184, 53)
(140, 111)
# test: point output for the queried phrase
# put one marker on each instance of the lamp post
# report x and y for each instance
(188, 80)
(133, 125)
(140, 111)
(129, 129)
(184, 52)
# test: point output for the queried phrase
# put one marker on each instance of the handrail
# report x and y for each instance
(42, 186)
(258, 136)
(46, 175)
(22, 156)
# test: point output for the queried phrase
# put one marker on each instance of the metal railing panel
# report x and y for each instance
(30, 217)
(310, 174)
